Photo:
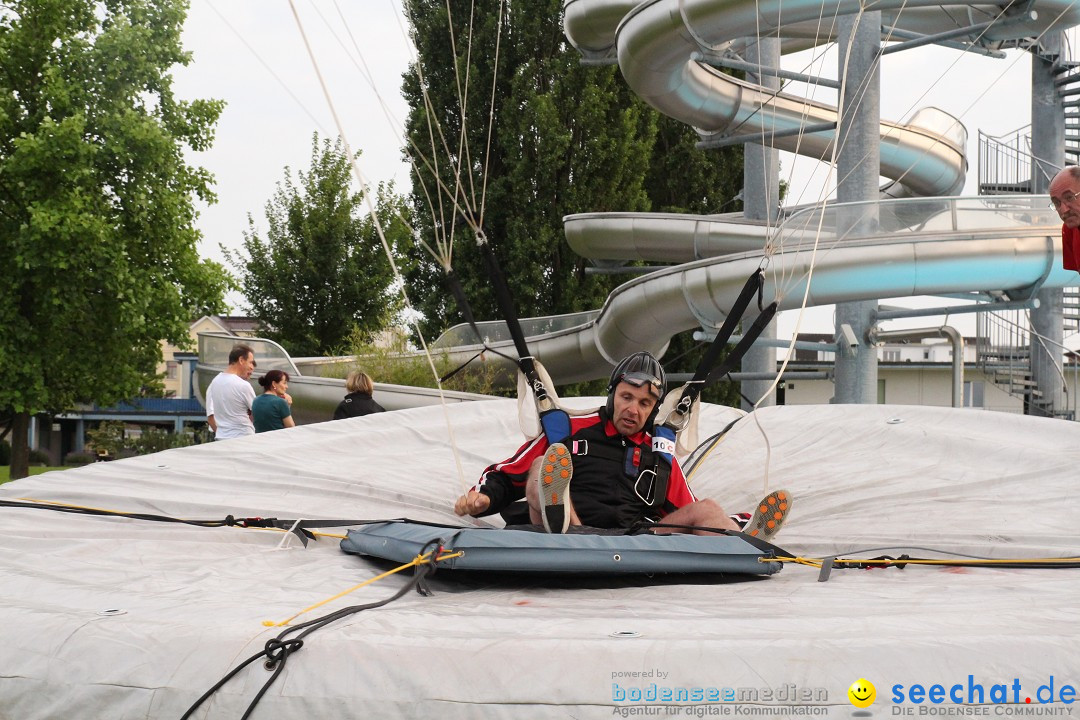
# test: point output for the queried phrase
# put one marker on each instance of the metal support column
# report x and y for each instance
(761, 201)
(1047, 147)
(858, 169)
(80, 436)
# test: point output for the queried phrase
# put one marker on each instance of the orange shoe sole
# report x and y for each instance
(769, 515)
(555, 473)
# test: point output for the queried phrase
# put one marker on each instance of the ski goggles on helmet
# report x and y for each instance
(640, 379)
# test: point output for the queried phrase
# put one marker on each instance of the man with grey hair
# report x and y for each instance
(1065, 197)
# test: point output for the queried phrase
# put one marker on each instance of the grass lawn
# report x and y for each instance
(5, 471)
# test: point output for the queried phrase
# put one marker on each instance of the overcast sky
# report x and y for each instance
(251, 54)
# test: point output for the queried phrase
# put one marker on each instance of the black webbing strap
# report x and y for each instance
(754, 284)
(748, 338)
(466, 311)
(506, 307)
(703, 376)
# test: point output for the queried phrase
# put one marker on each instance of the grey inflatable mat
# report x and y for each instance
(509, 550)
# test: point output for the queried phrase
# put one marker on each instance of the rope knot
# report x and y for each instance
(279, 651)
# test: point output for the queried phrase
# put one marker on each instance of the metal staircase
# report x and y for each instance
(1068, 87)
(1005, 166)
(1003, 353)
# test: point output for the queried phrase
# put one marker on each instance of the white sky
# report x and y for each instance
(250, 53)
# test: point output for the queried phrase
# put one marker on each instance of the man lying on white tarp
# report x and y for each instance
(609, 455)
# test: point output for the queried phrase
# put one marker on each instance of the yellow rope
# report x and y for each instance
(703, 458)
(415, 561)
(817, 562)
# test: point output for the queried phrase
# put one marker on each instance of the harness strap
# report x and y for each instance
(664, 434)
(556, 425)
(554, 420)
(650, 476)
(754, 284)
(748, 339)
(702, 376)
(663, 448)
(506, 307)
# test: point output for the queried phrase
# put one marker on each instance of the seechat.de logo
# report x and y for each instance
(862, 693)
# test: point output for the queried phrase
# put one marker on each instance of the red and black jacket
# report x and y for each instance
(607, 488)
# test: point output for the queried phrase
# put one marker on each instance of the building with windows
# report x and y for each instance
(922, 373)
(176, 411)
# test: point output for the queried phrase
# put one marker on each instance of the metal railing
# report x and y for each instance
(870, 219)
(1003, 351)
(1005, 162)
(494, 331)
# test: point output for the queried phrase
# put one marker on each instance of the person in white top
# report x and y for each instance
(229, 396)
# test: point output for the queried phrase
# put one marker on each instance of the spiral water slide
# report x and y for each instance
(921, 244)
(920, 247)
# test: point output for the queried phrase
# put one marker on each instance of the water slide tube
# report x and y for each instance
(920, 247)
(659, 42)
(965, 245)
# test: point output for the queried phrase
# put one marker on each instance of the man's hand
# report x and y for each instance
(472, 503)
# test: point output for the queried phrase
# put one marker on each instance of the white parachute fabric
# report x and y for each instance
(529, 413)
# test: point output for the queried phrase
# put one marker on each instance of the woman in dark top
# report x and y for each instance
(358, 402)
(271, 410)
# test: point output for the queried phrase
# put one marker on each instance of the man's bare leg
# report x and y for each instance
(701, 514)
(768, 517)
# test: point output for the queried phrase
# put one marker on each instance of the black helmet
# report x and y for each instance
(639, 369)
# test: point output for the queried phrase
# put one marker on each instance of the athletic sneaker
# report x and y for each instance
(769, 515)
(555, 473)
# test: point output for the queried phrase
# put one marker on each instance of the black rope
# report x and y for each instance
(698, 453)
(278, 649)
(228, 520)
(460, 367)
(502, 296)
(466, 312)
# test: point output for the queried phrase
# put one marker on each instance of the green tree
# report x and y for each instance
(683, 178)
(565, 138)
(321, 274)
(97, 225)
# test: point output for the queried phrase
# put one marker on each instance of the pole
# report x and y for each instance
(858, 169)
(761, 201)
(1048, 146)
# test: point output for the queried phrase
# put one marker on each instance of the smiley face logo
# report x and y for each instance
(862, 693)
